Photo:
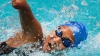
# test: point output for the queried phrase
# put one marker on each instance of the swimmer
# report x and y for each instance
(66, 35)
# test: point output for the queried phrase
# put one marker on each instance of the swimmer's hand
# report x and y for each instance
(19, 4)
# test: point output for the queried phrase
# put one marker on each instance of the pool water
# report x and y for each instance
(51, 13)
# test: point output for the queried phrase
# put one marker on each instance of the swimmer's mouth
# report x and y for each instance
(49, 44)
(53, 47)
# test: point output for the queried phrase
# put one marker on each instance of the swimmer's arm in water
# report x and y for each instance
(29, 24)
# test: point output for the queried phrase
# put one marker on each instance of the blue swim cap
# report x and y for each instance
(79, 31)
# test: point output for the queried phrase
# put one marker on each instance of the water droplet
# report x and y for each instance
(34, 37)
(84, 3)
(73, 33)
(2, 28)
(38, 34)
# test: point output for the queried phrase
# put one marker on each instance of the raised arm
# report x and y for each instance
(31, 29)
(30, 26)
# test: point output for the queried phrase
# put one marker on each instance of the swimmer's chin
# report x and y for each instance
(47, 50)
(52, 51)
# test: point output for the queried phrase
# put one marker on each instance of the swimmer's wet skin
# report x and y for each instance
(31, 28)
(78, 31)
(66, 35)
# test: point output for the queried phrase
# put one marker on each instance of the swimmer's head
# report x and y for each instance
(59, 39)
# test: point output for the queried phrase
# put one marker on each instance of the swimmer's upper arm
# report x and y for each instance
(14, 39)
(29, 23)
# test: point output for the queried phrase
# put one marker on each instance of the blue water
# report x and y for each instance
(51, 13)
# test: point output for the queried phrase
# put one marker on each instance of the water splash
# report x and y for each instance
(84, 3)
(55, 17)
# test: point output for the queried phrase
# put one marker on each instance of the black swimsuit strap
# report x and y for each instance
(5, 49)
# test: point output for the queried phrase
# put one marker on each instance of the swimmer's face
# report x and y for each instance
(53, 42)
